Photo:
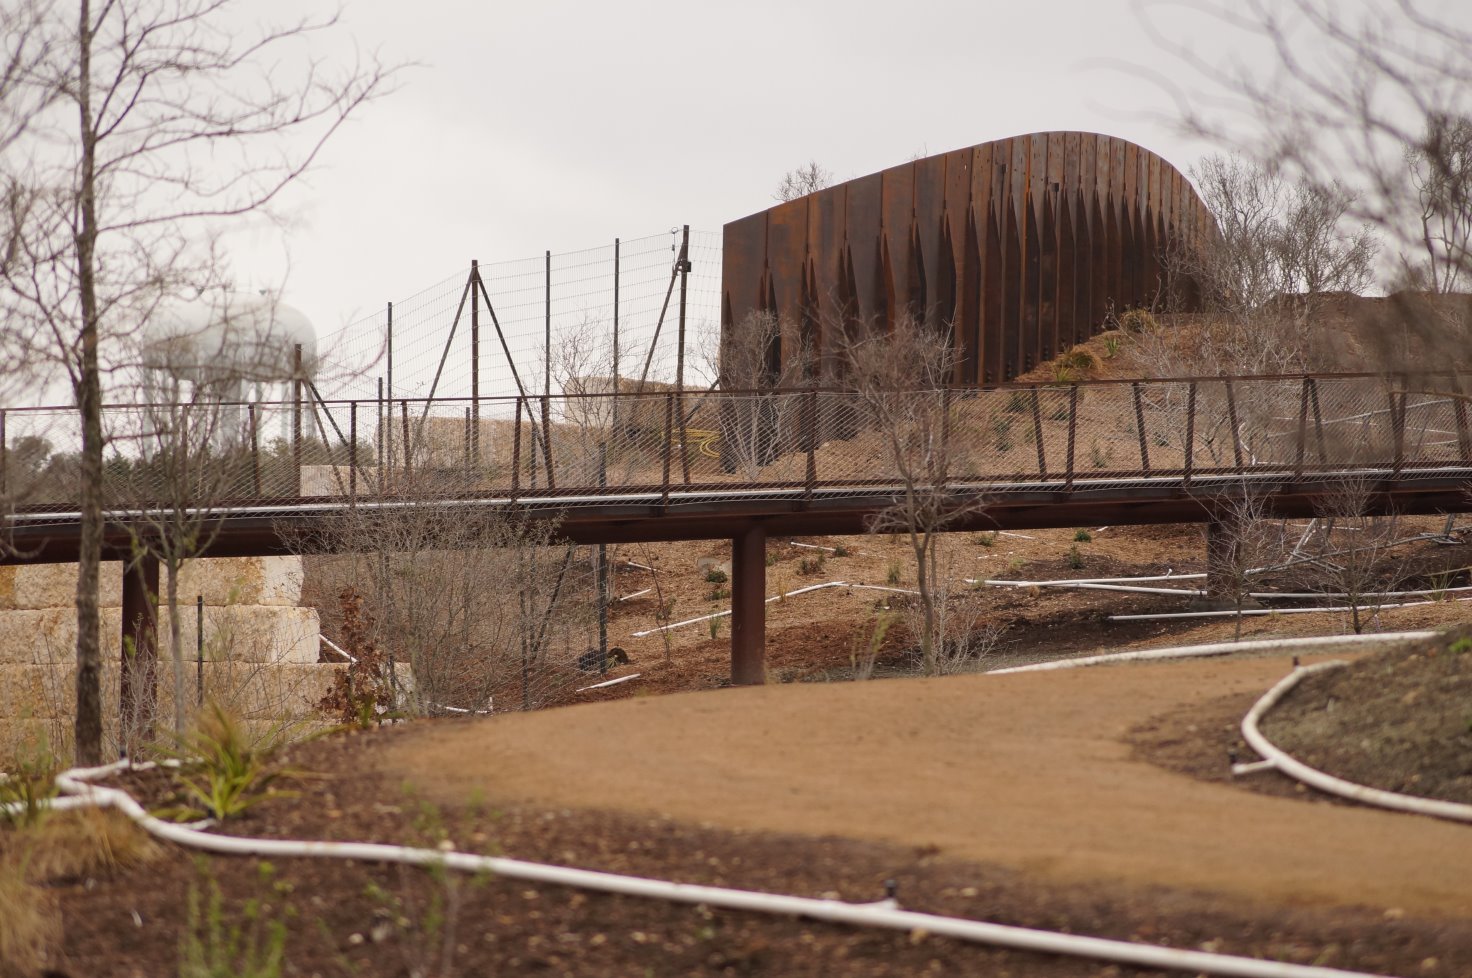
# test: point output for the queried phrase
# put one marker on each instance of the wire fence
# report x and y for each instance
(534, 323)
(579, 449)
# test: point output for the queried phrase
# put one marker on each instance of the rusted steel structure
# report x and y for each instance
(1021, 246)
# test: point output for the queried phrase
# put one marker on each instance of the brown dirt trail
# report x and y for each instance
(1030, 771)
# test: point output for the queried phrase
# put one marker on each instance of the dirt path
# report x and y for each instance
(1028, 771)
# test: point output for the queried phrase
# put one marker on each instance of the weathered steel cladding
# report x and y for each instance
(1021, 247)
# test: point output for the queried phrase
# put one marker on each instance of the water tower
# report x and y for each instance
(233, 348)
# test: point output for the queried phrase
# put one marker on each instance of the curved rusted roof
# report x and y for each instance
(1025, 245)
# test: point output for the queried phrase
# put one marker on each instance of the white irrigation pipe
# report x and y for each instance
(1256, 612)
(1278, 759)
(1060, 582)
(337, 648)
(636, 594)
(881, 915)
(1214, 649)
(611, 682)
(814, 546)
(1091, 586)
(722, 614)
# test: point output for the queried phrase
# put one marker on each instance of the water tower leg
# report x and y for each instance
(138, 672)
(749, 607)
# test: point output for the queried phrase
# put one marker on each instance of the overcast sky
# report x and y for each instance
(561, 125)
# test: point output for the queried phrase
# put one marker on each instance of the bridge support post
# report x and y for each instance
(749, 607)
(138, 671)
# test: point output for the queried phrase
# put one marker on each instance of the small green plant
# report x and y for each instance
(984, 539)
(1111, 347)
(1082, 536)
(1075, 559)
(247, 944)
(1138, 321)
(714, 627)
(715, 576)
(1441, 582)
(1018, 402)
(812, 565)
(1015, 565)
(1099, 456)
(894, 573)
(771, 560)
(719, 593)
(840, 551)
(1463, 644)
(1063, 373)
(226, 771)
(28, 785)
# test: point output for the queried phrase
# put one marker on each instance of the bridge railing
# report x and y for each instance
(582, 448)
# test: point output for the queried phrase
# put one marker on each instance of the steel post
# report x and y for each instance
(749, 606)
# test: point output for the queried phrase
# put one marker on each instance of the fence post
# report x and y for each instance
(1459, 406)
(547, 439)
(684, 267)
(296, 422)
(1190, 459)
(1140, 428)
(1037, 432)
(669, 438)
(603, 590)
(353, 453)
(4, 453)
(1302, 430)
(1313, 393)
(408, 446)
(1398, 425)
(386, 394)
(1232, 420)
(199, 649)
(255, 450)
(1072, 433)
(615, 335)
(812, 426)
(472, 440)
(516, 452)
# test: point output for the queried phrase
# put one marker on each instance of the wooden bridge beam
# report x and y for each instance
(749, 606)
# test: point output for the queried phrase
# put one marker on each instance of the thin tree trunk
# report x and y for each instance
(88, 729)
(176, 644)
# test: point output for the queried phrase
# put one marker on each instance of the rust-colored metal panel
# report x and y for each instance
(897, 213)
(865, 203)
(930, 191)
(743, 257)
(787, 231)
(1020, 247)
(1130, 228)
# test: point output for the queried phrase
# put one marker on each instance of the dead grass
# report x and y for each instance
(59, 848)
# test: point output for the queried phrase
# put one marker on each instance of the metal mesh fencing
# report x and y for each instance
(540, 325)
(581, 448)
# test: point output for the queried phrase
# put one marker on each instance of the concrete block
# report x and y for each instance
(55, 586)
(241, 580)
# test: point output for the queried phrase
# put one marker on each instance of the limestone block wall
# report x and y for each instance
(260, 647)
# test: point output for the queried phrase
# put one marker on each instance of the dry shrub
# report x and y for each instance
(30, 923)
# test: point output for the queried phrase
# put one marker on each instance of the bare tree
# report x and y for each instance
(758, 362)
(1239, 541)
(899, 380)
(1352, 85)
(1280, 249)
(1352, 564)
(150, 124)
(475, 608)
(1441, 169)
(806, 179)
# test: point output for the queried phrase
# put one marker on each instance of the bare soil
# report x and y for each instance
(1026, 799)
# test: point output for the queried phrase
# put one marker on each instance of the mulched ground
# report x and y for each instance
(354, 919)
